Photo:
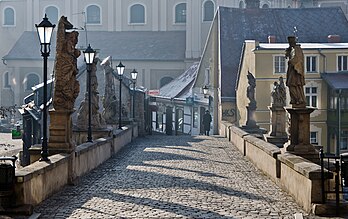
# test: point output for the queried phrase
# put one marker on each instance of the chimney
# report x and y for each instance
(334, 39)
(252, 3)
(272, 39)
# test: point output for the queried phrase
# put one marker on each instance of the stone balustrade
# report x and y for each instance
(39, 180)
(297, 176)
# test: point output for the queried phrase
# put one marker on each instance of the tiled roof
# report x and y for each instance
(336, 81)
(237, 25)
(179, 87)
(126, 45)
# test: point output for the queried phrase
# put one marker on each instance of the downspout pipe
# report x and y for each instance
(325, 60)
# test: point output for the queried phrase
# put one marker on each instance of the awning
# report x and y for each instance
(337, 81)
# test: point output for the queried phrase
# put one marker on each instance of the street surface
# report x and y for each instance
(9, 146)
(163, 176)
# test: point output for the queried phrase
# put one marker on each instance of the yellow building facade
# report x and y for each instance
(267, 62)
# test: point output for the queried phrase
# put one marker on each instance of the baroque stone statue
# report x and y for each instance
(66, 86)
(110, 102)
(82, 115)
(295, 73)
(251, 89)
(279, 93)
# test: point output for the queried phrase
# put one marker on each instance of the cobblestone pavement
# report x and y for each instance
(173, 177)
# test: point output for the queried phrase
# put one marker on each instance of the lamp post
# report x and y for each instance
(89, 54)
(120, 69)
(205, 92)
(44, 30)
(134, 75)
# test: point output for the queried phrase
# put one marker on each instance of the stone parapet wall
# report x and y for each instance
(263, 155)
(39, 180)
(296, 175)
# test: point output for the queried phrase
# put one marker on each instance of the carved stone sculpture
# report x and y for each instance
(97, 121)
(295, 73)
(251, 90)
(66, 86)
(251, 125)
(277, 134)
(66, 89)
(110, 102)
(279, 93)
(299, 114)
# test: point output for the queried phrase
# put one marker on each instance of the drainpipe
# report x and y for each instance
(325, 60)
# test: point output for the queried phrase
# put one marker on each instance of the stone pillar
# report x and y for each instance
(251, 123)
(300, 134)
(60, 139)
(277, 134)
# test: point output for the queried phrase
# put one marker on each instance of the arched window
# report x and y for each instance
(241, 4)
(32, 80)
(165, 81)
(208, 11)
(93, 14)
(265, 6)
(137, 14)
(180, 13)
(9, 17)
(7, 80)
(52, 14)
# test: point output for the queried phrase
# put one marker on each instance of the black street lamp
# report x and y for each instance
(205, 89)
(89, 54)
(44, 30)
(134, 75)
(120, 69)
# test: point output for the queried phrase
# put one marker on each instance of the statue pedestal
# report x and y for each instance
(251, 126)
(251, 123)
(277, 135)
(300, 134)
(60, 140)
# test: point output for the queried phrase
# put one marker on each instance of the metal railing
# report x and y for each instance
(338, 166)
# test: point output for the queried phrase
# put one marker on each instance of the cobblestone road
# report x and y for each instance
(173, 177)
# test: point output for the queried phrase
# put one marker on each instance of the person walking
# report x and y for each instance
(206, 122)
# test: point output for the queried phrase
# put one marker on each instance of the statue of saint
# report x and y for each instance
(295, 74)
(279, 93)
(66, 86)
(251, 89)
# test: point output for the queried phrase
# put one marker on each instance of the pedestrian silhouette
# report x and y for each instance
(206, 122)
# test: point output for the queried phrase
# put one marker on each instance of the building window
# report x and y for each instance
(52, 14)
(208, 11)
(314, 138)
(265, 6)
(9, 17)
(7, 80)
(195, 117)
(32, 81)
(311, 64)
(312, 96)
(137, 14)
(241, 4)
(165, 81)
(93, 14)
(344, 102)
(342, 63)
(180, 13)
(279, 64)
(207, 76)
